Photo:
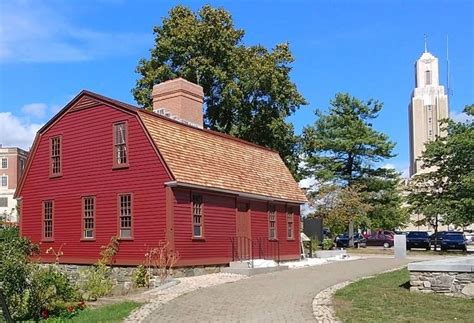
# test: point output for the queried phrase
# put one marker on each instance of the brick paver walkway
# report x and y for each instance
(284, 296)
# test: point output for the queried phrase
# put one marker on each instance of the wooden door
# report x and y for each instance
(243, 231)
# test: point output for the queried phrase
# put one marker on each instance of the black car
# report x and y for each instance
(342, 241)
(418, 239)
(453, 240)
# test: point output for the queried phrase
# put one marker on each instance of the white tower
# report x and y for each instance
(428, 106)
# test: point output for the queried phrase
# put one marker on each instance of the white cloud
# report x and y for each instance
(33, 32)
(35, 109)
(16, 133)
(459, 116)
(388, 166)
(403, 169)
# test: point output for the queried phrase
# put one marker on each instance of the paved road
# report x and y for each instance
(284, 296)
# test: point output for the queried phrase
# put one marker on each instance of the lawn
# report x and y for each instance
(109, 313)
(386, 298)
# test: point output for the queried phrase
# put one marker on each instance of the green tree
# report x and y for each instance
(339, 206)
(247, 89)
(342, 148)
(383, 191)
(445, 192)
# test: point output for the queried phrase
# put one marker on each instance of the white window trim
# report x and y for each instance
(1, 180)
(1, 165)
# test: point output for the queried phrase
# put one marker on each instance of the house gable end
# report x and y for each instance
(85, 100)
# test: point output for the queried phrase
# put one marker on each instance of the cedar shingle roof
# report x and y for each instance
(206, 158)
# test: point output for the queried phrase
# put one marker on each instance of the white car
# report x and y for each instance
(469, 237)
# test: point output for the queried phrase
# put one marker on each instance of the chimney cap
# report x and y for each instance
(178, 84)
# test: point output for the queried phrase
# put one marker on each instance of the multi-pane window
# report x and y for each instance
(197, 216)
(272, 229)
(88, 216)
(4, 163)
(3, 202)
(120, 144)
(4, 181)
(125, 215)
(56, 156)
(289, 221)
(48, 219)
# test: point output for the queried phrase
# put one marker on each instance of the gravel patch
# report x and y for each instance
(157, 297)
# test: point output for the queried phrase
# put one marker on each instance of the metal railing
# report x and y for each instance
(244, 248)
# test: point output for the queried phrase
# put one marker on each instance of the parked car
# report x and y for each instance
(469, 237)
(418, 239)
(342, 241)
(380, 239)
(453, 240)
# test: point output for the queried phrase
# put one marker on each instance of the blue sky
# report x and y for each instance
(50, 50)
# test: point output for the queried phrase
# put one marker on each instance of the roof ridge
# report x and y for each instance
(209, 131)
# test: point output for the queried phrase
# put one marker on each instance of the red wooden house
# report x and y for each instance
(103, 168)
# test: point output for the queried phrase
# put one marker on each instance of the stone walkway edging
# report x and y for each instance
(158, 297)
(323, 310)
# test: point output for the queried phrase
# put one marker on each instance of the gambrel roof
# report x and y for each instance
(206, 159)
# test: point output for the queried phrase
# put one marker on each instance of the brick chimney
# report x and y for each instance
(180, 100)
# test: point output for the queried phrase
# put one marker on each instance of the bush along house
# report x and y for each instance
(102, 168)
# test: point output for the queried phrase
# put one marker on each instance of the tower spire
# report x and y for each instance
(426, 46)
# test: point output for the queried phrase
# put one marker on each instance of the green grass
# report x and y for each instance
(109, 313)
(386, 298)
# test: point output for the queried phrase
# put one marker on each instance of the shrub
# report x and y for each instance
(97, 280)
(31, 290)
(141, 277)
(161, 260)
(327, 244)
(51, 291)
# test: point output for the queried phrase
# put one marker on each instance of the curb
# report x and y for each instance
(323, 310)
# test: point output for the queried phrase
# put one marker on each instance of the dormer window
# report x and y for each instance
(120, 145)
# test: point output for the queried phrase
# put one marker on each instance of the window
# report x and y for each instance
(430, 120)
(197, 216)
(48, 220)
(88, 215)
(4, 163)
(3, 201)
(428, 77)
(125, 215)
(120, 144)
(56, 156)
(4, 181)
(272, 228)
(289, 221)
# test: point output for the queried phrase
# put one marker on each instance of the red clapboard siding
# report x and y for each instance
(219, 227)
(87, 150)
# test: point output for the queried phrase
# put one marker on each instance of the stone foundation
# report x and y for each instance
(448, 283)
(122, 275)
(453, 277)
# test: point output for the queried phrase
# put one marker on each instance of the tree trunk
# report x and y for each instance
(351, 233)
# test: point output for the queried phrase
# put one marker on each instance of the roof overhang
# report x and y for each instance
(232, 192)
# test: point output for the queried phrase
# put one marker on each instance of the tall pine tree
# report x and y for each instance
(342, 148)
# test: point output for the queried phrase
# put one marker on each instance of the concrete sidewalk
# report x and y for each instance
(284, 296)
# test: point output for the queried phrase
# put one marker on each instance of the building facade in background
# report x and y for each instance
(428, 106)
(12, 165)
